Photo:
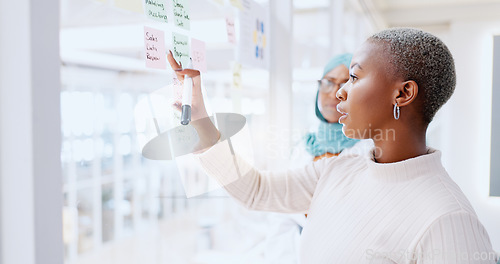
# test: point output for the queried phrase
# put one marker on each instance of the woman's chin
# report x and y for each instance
(348, 132)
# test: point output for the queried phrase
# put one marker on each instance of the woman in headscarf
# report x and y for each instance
(329, 140)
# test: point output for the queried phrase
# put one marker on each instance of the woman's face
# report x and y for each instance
(327, 101)
(367, 99)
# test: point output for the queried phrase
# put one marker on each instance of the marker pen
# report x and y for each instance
(187, 95)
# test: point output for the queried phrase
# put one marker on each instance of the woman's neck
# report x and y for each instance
(403, 144)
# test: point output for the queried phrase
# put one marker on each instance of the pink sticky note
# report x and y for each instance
(231, 33)
(198, 52)
(154, 44)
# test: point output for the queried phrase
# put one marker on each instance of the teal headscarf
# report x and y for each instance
(329, 137)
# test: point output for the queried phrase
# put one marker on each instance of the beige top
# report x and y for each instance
(360, 211)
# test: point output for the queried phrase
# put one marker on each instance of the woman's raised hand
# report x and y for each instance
(207, 132)
(198, 110)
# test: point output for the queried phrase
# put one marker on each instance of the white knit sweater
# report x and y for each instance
(360, 211)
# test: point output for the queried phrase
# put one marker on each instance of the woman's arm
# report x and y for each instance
(287, 191)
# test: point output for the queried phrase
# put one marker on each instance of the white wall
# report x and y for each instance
(30, 137)
(464, 123)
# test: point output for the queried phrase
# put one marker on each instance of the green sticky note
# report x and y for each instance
(181, 48)
(156, 10)
(181, 13)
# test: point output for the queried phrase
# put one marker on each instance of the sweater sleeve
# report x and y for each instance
(457, 237)
(287, 191)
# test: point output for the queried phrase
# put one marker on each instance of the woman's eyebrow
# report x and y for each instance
(356, 64)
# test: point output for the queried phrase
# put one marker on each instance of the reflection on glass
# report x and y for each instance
(107, 212)
(85, 220)
(101, 138)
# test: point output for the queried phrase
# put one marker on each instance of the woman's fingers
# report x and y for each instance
(197, 101)
(174, 65)
(189, 72)
(180, 72)
(195, 78)
(172, 61)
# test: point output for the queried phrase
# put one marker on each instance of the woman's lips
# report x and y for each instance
(344, 114)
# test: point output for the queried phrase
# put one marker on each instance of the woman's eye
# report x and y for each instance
(353, 77)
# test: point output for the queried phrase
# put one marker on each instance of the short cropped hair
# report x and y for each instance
(421, 57)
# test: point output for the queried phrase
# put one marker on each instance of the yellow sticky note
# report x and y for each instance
(237, 76)
(237, 85)
(237, 3)
(131, 5)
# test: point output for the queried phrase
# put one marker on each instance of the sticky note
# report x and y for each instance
(181, 13)
(154, 42)
(231, 32)
(237, 76)
(131, 5)
(198, 51)
(236, 3)
(236, 92)
(180, 48)
(156, 10)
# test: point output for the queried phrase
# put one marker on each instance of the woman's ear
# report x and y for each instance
(407, 93)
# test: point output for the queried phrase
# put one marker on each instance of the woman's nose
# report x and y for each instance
(341, 93)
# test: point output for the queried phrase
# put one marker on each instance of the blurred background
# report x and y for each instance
(72, 74)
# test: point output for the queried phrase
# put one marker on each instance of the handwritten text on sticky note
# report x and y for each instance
(154, 41)
(181, 48)
(181, 13)
(156, 9)
(231, 32)
(198, 52)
